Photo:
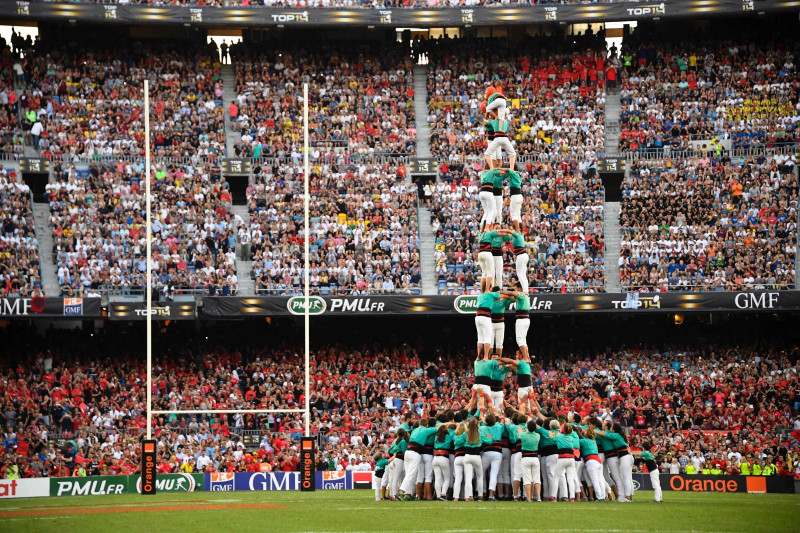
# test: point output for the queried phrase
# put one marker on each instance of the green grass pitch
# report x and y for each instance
(357, 511)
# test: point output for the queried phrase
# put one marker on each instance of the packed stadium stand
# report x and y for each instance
(733, 87)
(98, 229)
(88, 99)
(19, 248)
(363, 223)
(361, 101)
(703, 224)
(62, 406)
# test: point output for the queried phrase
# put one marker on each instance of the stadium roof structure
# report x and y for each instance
(387, 18)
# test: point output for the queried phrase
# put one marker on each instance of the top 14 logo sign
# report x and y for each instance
(648, 10)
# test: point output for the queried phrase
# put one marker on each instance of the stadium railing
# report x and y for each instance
(655, 153)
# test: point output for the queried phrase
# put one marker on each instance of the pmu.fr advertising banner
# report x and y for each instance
(541, 303)
(96, 486)
(701, 483)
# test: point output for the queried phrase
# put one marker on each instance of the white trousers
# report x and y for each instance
(521, 326)
(487, 202)
(552, 480)
(530, 471)
(516, 466)
(473, 469)
(606, 471)
(458, 473)
(522, 271)
(613, 470)
(441, 474)
(413, 461)
(387, 474)
(491, 462)
(498, 208)
(498, 334)
(655, 480)
(594, 469)
(498, 143)
(483, 324)
(497, 399)
(398, 472)
(565, 468)
(500, 106)
(498, 270)
(486, 262)
(576, 475)
(515, 208)
(626, 475)
(426, 469)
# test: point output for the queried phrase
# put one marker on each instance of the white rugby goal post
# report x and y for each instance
(149, 299)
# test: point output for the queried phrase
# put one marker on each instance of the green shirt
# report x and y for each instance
(576, 440)
(545, 440)
(616, 440)
(463, 441)
(500, 306)
(517, 240)
(530, 441)
(563, 442)
(448, 440)
(420, 435)
(523, 368)
(514, 179)
(487, 299)
(499, 240)
(485, 368)
(498, 373)
(588, 447)
(647, 456)
(524, 304)
(487, 237)
(490, 176)
(494, 432)
(513, 432)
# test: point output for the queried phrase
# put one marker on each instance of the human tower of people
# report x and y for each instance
(494, 449)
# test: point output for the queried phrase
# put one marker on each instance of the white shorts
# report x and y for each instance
(498, 334)
(498, 143)
(483, 325)
(497, 399)
(499, 105)
(516, 207)
(485, 389)
(486, 262)
(521, 326)
(524, 393)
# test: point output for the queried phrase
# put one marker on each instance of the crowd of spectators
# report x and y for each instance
(87, 101)
(562, 224)
(726, 86)
(703, 223)
(65, 407)
(19, 248)
(12, 138)
(555, 92)
(364, 230)
(98, 224)
(361, 103)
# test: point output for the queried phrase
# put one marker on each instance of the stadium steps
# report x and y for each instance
(421, 111)
(612, 240)
(228, 73)
(244, 266)
(427, 247)
(612, 113)
(44, 234)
